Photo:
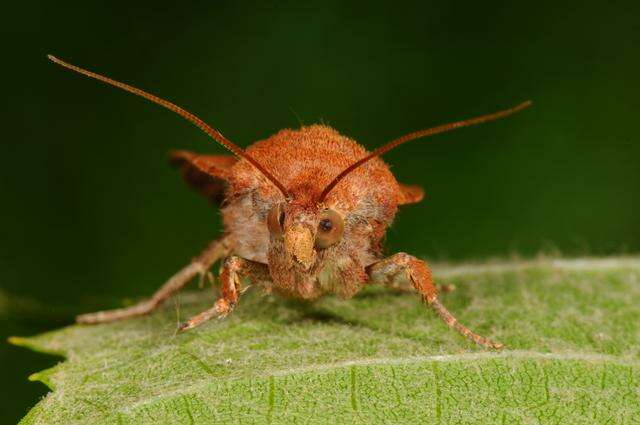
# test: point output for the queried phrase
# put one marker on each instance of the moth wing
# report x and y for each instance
(410, 194)
(207, 174)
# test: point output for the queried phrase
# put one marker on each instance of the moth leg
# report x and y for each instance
(392, 271)
(232, 273)
(405, 287)
(199, 266)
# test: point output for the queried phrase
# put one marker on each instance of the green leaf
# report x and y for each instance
(571, 328)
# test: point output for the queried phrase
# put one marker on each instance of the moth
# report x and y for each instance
(304, 213)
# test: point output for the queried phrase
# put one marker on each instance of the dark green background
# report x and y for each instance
(92, 213)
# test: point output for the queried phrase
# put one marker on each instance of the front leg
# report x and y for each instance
(233, 270)
(394, 271)
(198, 266)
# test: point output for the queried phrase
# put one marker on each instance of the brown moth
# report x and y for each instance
(304, 214)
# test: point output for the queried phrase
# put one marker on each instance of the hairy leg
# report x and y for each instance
(399, 268)
(405, 287)
(199, 266)
(231, 274)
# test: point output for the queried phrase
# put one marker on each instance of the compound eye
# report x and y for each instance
(275, 220)
(330, 229)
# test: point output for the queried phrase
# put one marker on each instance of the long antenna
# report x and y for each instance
(418, 134)
(212, 132)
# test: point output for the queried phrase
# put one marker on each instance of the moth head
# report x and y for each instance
(304, 230)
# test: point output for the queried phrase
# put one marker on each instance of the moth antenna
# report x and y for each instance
(418, 134)
(212, 132)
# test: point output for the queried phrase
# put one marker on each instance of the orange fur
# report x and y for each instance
(305, 161)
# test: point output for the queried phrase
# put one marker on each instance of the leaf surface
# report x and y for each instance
(571, 327)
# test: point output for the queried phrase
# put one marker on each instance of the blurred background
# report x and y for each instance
(92, 214)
